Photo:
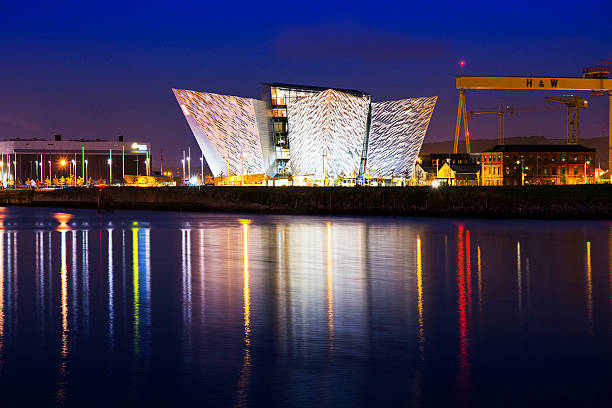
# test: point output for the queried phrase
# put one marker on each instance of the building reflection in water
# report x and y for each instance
(141, 290)
(75, 310)
(39, 255)
(327, 296)
(479, 263)
(589, 287)
(519, 283)
(330, 289)
(2, 316)
(419, 285)
(111, 284)
(245, 372)
(63, 228)
(186, 275)
(85, 278)
(463, 308)
(136, 287)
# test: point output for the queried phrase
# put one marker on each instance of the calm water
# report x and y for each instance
(226, 310)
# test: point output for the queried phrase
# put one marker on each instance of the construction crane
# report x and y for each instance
(508, 109)
(573, 105)
(500, 121)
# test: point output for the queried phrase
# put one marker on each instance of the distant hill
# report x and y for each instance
(600, 144)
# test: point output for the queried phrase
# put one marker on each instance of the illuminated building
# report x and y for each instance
(457, 169)
(37, 159)
(295, 130)
(515, 165)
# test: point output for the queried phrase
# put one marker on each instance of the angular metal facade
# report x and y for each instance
(326, 133)
(226, 129)
(397, 130)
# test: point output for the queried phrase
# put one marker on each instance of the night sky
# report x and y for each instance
(100, 70)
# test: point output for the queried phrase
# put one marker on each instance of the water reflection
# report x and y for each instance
(63, 228)
(245, 372)
(275, 311)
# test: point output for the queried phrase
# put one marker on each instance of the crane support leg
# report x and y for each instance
(466, 132)
(461, 113)
(610, 131)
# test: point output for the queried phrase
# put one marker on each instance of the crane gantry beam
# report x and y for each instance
(530, 83)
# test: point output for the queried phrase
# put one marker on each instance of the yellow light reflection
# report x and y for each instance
(589, 287)
(136, 287)
(245, 372)
(479, 281)
(246, 288)
(63, 228)
(519, 279)
(330, 287)
(419, 276)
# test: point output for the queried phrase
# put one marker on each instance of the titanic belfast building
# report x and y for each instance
(307, 130)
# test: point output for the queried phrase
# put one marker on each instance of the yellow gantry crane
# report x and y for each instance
(529, 83)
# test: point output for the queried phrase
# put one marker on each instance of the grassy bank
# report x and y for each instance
(544, 202)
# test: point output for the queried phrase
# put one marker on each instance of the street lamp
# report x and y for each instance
(586, 180)
(110, 171)
(74, 178)
(36, 168)
(183, 163)
(522, 162)
(202, 171)
(50, 175)
(86, 174)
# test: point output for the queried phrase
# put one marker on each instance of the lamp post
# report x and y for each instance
(202, 169)
(110, 171)
(522, 162)
(50, 175)
(73, 172)
(36, 165)
(183, 163)
(189, 162)
(586, 180)
(86, 181)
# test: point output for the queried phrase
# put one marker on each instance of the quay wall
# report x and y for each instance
(544, 202)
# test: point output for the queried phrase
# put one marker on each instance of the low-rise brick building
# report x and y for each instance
(512, 165)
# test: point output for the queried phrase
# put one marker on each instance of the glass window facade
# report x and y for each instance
(279, 96)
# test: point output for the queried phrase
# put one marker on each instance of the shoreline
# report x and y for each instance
(529, 202)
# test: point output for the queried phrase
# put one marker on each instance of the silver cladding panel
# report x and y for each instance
(226, 129)
(329, 123)
(397, 130)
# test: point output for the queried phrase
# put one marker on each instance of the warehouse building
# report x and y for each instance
(38, 160)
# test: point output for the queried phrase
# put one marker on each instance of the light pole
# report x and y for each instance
(189, 162)
(36, 163)
(86, 174)
(522, 162)
(586, 180)
(202, 169)
(110, 171)
(183, 163)
(50, 175)
(73, 172)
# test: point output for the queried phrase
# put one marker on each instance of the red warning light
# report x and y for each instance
(462, 62)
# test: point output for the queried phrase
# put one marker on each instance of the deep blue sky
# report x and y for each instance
(97, 70)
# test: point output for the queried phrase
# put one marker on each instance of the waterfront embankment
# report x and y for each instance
(545, 202)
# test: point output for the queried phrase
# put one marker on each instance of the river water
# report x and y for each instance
(162, 308)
